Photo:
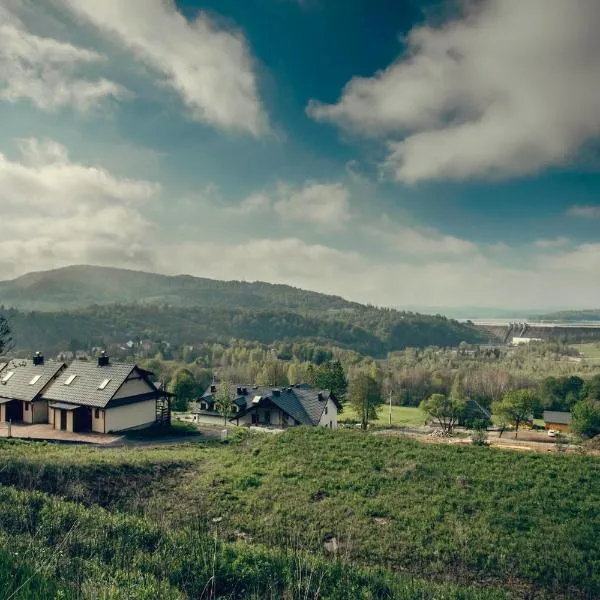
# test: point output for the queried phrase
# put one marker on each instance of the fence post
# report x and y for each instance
(9, 428)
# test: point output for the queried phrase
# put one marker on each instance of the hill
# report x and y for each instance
(267, 516)
(54, 309)
(81, 286)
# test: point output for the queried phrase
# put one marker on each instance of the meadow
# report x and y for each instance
(401, 416)
(305, 514)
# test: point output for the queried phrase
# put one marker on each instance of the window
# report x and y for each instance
(325, 410)
(7, 376)
(330, 424)
(26, 406)
(70, 379)
(35, 379)
(104, 384)
(97, 413)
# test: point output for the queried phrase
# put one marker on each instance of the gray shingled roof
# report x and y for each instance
(84, 388)
(19, 386)
(556, 416)
(301, 403)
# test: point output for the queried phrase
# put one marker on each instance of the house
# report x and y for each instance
(557, 420)
(22, 385)
(104, 397)
(272, 407)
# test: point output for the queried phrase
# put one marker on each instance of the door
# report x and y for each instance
(63, 420)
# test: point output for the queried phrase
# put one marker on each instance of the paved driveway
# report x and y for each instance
(47, 432)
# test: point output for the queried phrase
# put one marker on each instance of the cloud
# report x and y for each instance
(558, 242)
(45, 70)
(256, 203)
(58, 212)
(209, 66)
(586, 212)
(326, 205)
(418, 241)
(507, 90)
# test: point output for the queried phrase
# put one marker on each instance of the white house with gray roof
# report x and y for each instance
(22, 386)
(264, 406)
(102, 396)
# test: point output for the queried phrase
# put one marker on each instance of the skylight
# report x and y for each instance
(7, 376)
(35, 379)
(104, 384)
(70, 379)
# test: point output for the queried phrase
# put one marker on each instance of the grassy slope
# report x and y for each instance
(590, 351)
(460, 515)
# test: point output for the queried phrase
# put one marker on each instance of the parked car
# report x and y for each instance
(551, 433)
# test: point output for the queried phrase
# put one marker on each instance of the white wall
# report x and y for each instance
(329, 419)
(98, 424)
(129, 416)
(40, 411)
(276, 418)
(211, 420)
(133, 387)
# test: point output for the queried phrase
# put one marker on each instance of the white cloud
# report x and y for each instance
(208, 66)
(418, 241)
(558, 242)
(45, 70)
(57, 212)
(326, 205)
(507, 90)
(585, 212)
(256, 203)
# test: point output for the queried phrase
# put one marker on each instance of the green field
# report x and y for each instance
(590, 351)
(401, 415)
(260, 516)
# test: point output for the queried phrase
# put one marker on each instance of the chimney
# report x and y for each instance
(289, 390)
(276, 392)
(38, 359)
(320, 396)
(245, 391)
(213, 389)
(239, 391)
(103, 360)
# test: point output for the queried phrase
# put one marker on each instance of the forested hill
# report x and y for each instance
(99, 306)
(571, 316)
(370, 331)
(82, 286)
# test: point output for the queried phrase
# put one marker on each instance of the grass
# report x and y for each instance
(249, 519)
(401, 416)
(590, 351)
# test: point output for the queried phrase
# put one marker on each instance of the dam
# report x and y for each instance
(504, 332)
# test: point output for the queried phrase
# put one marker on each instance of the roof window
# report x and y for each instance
(70, 379)
(35, 379)
(104, 384)
(7, 376)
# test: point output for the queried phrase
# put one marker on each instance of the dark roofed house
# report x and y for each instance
(272, 407)
(102, 396)
(557, 420)
(22, 385)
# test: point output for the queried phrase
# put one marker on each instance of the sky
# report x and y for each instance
(424, 153)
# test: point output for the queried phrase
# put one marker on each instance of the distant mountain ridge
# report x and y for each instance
(100, 306)
(80, 286)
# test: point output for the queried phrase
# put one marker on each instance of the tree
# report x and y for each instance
(515, 408)
(585, 418)
(365, 397)
(5, 335)
(185, 388)
(273, 373)
(331, 376)
(224, 401)
(445, 411)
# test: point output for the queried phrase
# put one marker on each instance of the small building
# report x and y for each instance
(519, 341)
(272, 407)
(103, 397)
(557, 420)
(22, 385)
